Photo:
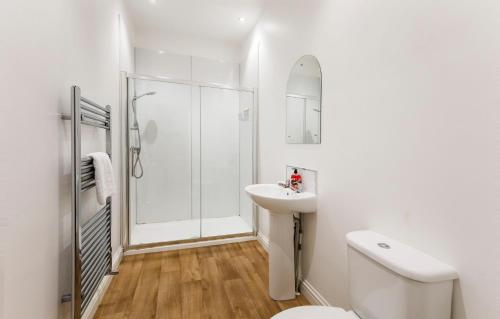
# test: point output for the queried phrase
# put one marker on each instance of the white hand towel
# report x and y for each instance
(104, 179)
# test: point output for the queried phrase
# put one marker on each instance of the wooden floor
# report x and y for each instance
(227, 281)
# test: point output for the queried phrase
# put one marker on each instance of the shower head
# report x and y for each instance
(142, 95)
(134, 99)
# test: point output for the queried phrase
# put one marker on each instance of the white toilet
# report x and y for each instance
(388, 280)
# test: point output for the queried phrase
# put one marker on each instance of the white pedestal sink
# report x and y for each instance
(281, 203)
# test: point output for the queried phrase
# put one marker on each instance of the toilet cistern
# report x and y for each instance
(388, 281)
(281, 203)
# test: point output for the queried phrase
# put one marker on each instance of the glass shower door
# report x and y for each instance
(226, 161)
(160, 132)
(190, 157)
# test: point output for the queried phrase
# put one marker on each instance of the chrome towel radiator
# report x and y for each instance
(92, 239)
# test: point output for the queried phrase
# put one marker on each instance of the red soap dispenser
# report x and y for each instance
(295, 180)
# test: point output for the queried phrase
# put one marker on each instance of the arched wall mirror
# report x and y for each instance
(303, 102)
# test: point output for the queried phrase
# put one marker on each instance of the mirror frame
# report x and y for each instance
(320, 100)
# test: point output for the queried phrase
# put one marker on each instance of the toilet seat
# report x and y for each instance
(315, 312)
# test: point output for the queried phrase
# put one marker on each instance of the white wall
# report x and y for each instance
(46, 47)
(186, 45)
(186, 67)
(410, 145)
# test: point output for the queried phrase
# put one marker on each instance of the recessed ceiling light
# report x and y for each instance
(161, 51)
(153, 1)
(242, 19)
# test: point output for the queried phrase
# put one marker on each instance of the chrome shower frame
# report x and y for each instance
(125, 103)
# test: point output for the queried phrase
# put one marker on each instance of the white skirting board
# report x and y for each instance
(263, 240)
(196, 244)
(103, 286)
(312, 295)
(306, 288)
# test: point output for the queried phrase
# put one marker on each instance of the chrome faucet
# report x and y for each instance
(297, 188)
(284, 184)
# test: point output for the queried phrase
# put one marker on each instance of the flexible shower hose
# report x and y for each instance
(136, 163)
(136, 160)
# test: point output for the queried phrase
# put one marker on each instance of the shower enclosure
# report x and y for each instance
(191, 153)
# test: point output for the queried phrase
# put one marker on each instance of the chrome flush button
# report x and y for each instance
(384, 245)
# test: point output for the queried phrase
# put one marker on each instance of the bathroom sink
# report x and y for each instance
(281, 200)
(281, 203)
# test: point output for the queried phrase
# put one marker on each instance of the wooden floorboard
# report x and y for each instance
(218, 282)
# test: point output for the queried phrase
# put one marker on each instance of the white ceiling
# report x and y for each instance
(208, 19)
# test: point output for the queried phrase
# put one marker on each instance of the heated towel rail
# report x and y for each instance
(92, 239)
